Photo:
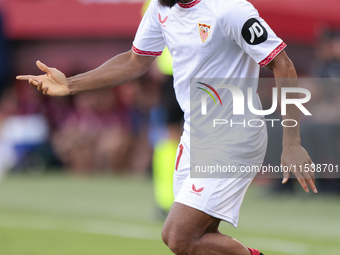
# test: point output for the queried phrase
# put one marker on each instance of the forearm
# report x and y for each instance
(116, 71)
(293, 154)
(285, 76)
(291, 134)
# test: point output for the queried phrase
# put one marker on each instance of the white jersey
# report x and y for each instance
(212, 39)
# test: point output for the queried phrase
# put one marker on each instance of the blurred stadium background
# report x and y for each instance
(77, 171)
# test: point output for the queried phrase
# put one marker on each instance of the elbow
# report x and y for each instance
(288, 66)
(282, 66)
(288, 69)
(140, 64)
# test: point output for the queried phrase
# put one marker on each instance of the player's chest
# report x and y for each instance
(190, 32)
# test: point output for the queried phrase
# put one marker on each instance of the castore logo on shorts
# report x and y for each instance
(196, 191)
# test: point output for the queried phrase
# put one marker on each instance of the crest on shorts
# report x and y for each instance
(204, 31)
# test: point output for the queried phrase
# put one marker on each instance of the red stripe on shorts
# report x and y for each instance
(179, 156)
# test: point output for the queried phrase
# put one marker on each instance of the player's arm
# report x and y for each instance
(116, 71)
(293, 153)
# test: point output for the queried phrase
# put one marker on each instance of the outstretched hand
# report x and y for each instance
(296, 158)
(53, 83)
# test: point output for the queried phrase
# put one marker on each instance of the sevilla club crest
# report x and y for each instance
(204, 31)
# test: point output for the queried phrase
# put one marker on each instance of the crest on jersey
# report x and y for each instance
(204, 31)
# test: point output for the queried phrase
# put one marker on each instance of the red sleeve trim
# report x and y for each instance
(273, 54)
(146, 53)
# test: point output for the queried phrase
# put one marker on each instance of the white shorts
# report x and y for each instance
(218, 197)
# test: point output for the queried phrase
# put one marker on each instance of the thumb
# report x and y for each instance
(43, 67)
(285, 177)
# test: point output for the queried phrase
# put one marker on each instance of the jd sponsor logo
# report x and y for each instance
(253, 32)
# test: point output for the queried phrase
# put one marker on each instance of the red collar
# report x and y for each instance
(189, 5)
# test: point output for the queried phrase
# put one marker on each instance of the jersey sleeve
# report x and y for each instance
(242, 24)
(149, 39)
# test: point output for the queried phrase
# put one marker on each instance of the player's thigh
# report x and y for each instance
(185, 224)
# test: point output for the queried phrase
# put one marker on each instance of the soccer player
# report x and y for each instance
(212, 39)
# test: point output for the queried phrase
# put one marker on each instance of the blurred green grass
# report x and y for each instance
(62, 214)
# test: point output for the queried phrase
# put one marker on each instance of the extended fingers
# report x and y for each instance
(309, 175)
(285, 177)
(42, 67)
(313, 177)
(311, 184)
(309, 178)
(303, 183)
(25, 77)
(303, 180)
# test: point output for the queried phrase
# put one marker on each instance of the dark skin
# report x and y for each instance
(190, 231)
(129, 66)
(186, 230)
(293, 153)
(195, 232)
